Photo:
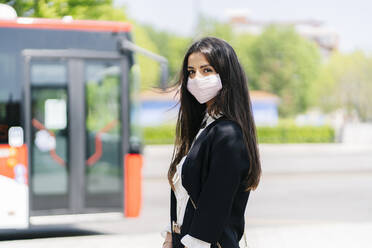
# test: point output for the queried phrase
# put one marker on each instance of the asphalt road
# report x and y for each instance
(308, 194)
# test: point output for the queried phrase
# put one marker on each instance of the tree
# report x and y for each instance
(149, 68)
(346, 82)
(243, 45)
(22, 7)
(171, 46)
(208, 26)
(284, 63)
(78, 9)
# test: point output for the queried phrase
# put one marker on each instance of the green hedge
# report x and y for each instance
(279, 134)
(295, 134)
(159, 135)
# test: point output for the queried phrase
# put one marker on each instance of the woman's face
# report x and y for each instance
(198, 66)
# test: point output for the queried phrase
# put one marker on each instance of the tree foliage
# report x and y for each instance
(149, 68)
(171, 46)
(285, 64)
(22, 7)
(208, 26)
(79, 9)
(346, 82)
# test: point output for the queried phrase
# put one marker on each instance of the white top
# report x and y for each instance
(182, 198)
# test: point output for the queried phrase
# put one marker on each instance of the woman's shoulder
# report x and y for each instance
(227, 138)
(227, 128)
(226, 132)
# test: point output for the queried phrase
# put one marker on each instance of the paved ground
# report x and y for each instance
(304, 236)
(309, 196)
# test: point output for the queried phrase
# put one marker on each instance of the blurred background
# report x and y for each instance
(309, 70)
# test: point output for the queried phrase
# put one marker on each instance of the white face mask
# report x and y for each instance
(204, 88)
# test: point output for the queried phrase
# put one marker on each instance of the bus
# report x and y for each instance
(70, 141)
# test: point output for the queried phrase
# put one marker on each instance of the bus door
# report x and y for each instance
(76, 129)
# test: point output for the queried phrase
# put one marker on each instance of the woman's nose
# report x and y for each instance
(198, 74)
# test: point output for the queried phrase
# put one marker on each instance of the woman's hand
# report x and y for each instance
(168, 241)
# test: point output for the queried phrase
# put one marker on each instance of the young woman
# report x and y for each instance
(215, 160)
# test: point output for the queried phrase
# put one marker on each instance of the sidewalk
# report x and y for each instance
(353, 235)
(281, 158)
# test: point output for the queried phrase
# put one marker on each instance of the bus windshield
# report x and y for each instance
(10, 93)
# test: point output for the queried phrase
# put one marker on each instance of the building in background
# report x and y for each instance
(314, 30)
(265, 108)
(160, 108)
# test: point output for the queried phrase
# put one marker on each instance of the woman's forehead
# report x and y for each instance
(197, 60)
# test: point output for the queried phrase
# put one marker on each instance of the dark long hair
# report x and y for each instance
(233, 101)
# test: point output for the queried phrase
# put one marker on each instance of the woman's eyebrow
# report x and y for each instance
(202, 66)
(205, 66)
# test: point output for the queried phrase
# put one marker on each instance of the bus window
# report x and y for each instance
(9, 96)
(49, 132)
(47, 72)
(103, 129)
(136, 135)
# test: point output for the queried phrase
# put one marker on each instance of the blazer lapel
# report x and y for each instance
(195, 148)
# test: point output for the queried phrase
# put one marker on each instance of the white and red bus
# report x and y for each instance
(69, 139)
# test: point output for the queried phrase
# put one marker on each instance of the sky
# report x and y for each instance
(351, 20)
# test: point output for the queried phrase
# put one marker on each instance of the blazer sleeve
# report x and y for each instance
(173, 207)
(219, 189)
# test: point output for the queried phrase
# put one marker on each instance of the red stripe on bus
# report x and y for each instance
(87, 25)
(98, 142)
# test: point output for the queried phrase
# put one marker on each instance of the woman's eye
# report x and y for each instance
(208, 70)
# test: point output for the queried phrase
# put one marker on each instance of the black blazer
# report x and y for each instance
(213, 174)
